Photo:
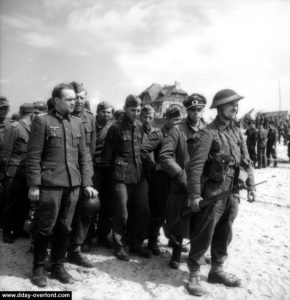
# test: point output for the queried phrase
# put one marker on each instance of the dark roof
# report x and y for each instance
(153, 90)
(159, 93)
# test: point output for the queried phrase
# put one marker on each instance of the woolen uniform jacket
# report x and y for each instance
(174, 152)
(227, 141)
(122, 150)
(57, 153)
(14, 149)
(88, 121)
(101, 133)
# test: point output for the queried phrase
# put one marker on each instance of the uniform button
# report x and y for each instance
(68, 154)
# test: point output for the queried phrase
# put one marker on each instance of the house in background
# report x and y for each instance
(160, 97)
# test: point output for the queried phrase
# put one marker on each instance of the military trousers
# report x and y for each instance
(252, 152)
(271, 152)
(103, 184)
(159, 186)
(56, 208)
(262, 157)
(212, 226)
(17, 205)
(130, 213)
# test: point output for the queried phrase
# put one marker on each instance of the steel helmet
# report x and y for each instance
(225, 96)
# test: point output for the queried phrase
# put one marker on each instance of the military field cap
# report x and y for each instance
(225, 96)
(173, 111)
(4, 102)
(78, 87)
(147, 109)
(103, 105)
(194, 100)
(132, 101)
(27, 108)
(41, 106)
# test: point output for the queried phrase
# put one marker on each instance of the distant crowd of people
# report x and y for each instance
(263, 134)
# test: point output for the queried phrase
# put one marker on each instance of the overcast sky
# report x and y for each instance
(120, 47)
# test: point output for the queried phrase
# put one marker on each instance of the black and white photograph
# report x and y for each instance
(145, 149)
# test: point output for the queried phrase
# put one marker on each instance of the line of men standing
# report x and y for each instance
(139, 175)
(262, 143)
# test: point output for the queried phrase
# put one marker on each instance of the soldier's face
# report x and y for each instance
(4, 111)
(80, 101)
(195, 113)
(65, 104)
(175, 120)
(230, 110)
(105, 114)
(132, 112)
(147, 119)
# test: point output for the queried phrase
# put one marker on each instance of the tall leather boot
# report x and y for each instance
(176, 253)
(39, 256)
(58, 251)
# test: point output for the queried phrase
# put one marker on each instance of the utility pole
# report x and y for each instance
(279, 98)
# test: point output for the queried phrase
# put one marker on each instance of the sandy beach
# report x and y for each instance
(259, 254)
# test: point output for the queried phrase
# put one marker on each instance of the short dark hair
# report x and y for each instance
(57, 91)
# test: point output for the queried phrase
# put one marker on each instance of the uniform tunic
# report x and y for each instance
(213, 224)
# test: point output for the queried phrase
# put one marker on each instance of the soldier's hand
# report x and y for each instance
(33, 193)
(251, 196)
(195, 204)
(90, 192)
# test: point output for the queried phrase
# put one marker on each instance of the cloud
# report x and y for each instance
(206, 45)
(4, 81)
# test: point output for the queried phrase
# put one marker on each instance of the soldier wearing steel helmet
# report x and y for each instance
(174, 155)
(216, 158)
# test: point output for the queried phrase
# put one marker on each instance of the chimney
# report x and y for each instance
(177, 84)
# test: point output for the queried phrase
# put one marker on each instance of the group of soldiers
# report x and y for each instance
(263, 134)
(116, 177)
